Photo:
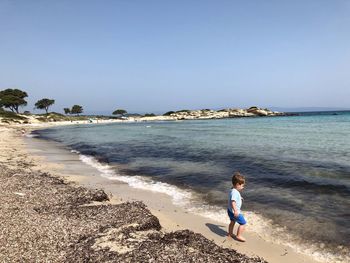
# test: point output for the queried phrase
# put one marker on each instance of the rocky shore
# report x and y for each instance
(46, 219)
(204, 114)
(212, 114)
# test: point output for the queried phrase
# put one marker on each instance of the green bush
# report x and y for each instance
(9, 121)
(168, 113)
(11, 115)
(183, 111)
(42, 119)
(253, 108)
(56, 113)
(149, 115)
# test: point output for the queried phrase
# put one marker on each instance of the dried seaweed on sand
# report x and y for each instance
(45, 219)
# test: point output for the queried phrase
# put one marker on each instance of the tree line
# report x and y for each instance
(14, 98)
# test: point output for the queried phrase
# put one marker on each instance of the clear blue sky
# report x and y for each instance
(154, 56)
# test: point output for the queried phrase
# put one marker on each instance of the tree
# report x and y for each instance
(168, 113)
(67, 111)
(12, 99)
(44, 104)
(119, 112)
(76, 109)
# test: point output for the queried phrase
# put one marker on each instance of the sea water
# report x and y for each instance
(297, 170)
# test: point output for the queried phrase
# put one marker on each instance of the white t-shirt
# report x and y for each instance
(234, 195)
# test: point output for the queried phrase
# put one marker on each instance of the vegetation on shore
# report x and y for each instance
(120, 112)
(44, 104)
(13, 99)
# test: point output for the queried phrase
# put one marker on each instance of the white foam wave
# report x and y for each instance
(179, 196)
(30, 135)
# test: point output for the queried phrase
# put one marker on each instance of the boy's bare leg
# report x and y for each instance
(239, 233)
(230, 228)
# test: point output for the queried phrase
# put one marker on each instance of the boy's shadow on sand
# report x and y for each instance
(217, 229)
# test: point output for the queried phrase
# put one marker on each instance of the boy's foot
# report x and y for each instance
(231, 236)
(240, 238)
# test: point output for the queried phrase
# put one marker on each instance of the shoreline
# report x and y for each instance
(171, 217)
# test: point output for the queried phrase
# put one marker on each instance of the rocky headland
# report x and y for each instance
(212, 114)
(226, 113)
(12, 118)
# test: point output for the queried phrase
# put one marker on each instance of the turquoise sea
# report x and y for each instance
(297, 170)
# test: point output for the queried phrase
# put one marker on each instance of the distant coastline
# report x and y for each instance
(7, 117)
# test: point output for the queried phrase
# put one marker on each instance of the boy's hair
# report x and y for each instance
(237, 178)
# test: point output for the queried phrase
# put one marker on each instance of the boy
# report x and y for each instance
(234, 206)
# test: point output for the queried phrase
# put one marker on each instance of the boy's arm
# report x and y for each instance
(234, 208)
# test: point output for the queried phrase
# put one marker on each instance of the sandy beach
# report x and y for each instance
(34, 156)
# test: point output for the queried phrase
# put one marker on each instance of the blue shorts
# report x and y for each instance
(240, 219)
